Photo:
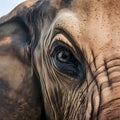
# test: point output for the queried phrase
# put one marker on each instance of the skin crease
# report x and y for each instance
(94, 26)
(90, 29)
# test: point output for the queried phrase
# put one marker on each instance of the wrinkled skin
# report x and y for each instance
(75, 54)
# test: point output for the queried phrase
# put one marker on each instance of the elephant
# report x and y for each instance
(72, 49)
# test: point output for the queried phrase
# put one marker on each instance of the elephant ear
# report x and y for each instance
(14, 35)
(17, 9)
(13, 32)
(20, 89)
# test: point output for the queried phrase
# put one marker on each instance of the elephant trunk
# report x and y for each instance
(109, 86)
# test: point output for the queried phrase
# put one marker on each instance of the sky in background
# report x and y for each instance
(7, 5)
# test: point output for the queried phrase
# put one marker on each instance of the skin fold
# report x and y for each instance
(68, 53)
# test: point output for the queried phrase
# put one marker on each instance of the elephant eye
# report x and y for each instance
(65, 56)
(64, 60)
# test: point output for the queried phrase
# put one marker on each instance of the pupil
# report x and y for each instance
(64, 56)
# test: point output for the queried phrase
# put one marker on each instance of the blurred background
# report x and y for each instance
(7, 5)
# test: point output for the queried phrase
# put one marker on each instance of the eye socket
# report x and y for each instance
(64, 60)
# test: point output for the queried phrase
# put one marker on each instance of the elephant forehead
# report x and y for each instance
(92, 24)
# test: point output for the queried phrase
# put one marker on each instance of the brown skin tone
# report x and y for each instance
(91, 27)
(75, 54)
(20, 96)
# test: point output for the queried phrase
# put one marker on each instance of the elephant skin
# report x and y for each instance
(73, 50)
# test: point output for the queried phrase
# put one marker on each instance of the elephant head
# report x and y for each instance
(77, 58)
(74, 51)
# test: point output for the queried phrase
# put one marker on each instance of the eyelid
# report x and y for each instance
(60, 37)
(60, 45)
